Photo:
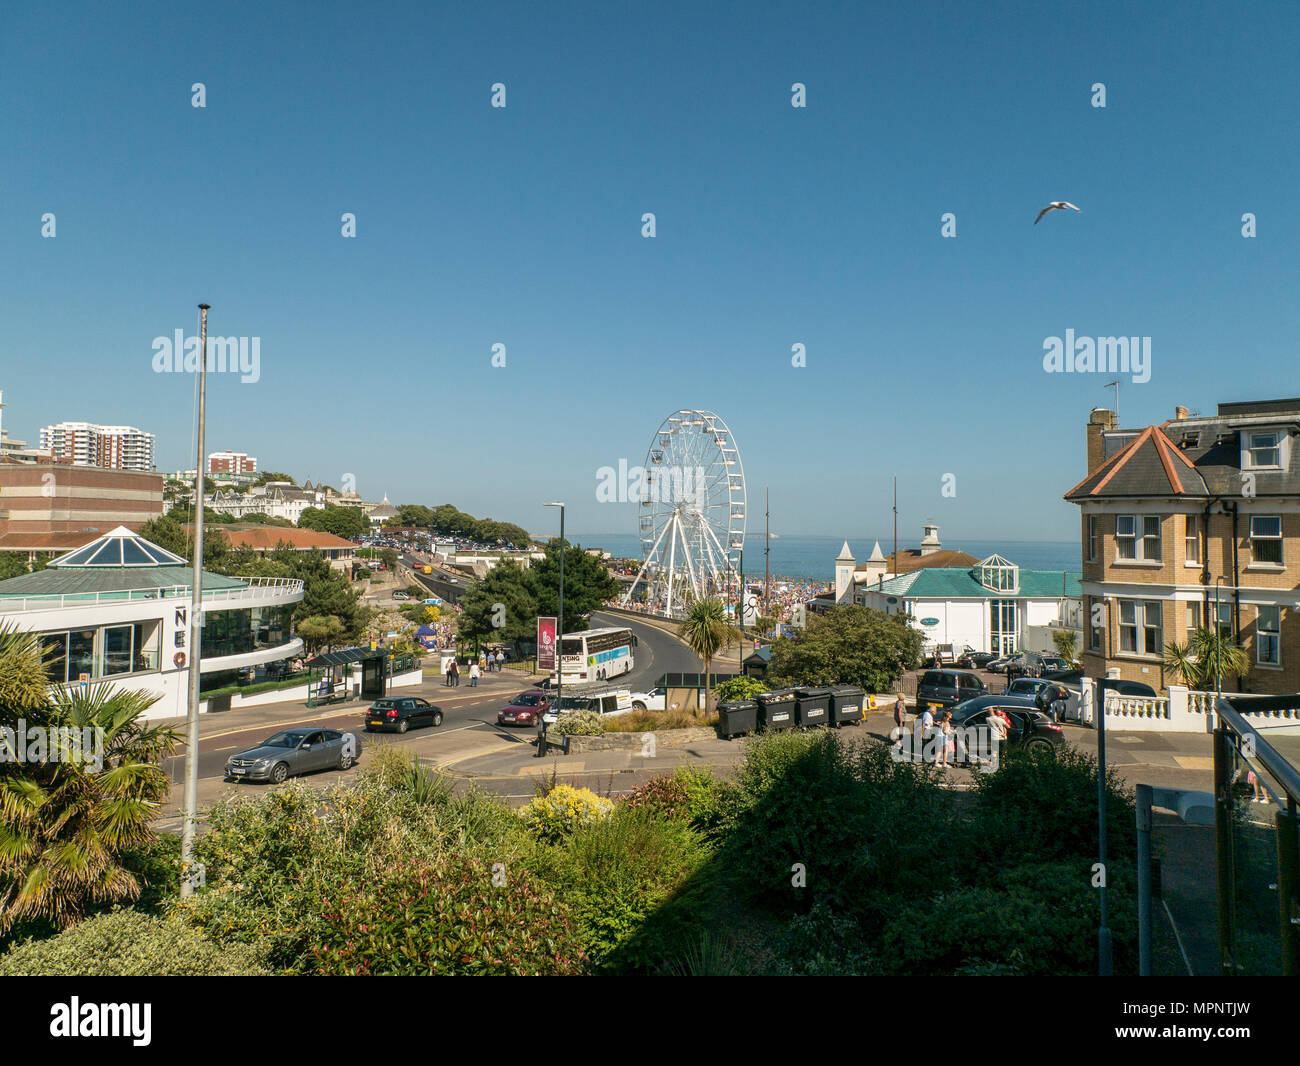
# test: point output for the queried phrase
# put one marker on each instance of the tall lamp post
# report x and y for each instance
(1218, 646)
(559, 622)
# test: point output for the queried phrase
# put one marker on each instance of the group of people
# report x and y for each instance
(485, 663)
(939, 741)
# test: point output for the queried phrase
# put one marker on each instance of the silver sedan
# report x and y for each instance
(294, 751)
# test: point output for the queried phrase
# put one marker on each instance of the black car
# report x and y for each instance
(1030, 728)
(976, 660)
(947, 688)
(400, 713)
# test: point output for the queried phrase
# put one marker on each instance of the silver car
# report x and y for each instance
(294, 751)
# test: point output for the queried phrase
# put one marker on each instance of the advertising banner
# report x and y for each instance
(546, 643)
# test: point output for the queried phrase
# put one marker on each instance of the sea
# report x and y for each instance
(812, 558)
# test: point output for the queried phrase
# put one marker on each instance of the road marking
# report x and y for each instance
(1195, 762)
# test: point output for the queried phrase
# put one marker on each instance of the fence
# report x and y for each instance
(1189, 711)
(1257, 847)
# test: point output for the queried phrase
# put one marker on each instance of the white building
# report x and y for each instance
(118, 611)
(90, 444)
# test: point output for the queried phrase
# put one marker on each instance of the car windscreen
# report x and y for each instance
(284, 740)
(527, 700)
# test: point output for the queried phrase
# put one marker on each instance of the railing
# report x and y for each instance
(1186, 710)
(256, 590)
(1257, 845)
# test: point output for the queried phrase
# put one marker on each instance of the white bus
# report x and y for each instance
(596, 655)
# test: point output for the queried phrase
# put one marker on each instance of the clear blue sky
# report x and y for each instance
(776, 226)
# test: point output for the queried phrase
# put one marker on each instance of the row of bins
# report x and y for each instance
(785, 708)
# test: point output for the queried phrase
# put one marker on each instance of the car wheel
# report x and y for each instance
(637, 705)
(437, 718)
(346, 761)
(279, 772)
(1039, 745)
(403, 726)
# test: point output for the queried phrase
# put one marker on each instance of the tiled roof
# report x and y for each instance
(957, 582)
(1149, 465)
(259, 537)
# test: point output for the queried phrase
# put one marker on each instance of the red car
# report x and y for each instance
(525, 708)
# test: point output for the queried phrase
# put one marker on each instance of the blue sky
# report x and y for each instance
(775, 226)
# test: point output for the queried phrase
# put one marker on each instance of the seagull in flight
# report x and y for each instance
(1056, 205)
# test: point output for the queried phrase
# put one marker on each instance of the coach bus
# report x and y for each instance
(597, 655)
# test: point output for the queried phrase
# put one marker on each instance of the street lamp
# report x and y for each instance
(1218, 646)
(559, 622)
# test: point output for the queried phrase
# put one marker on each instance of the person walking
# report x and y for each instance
(446, 679)
(945, 732)
(455, 674)
(900, 720)
(473, 675)
(925, 730)
(491, 661)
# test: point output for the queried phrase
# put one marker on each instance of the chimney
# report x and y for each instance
(1180, 412)
(930, 543)
(1100, 420)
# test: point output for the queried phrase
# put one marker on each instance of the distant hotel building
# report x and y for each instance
(88, 444)
(231, 463)
(1177, 516)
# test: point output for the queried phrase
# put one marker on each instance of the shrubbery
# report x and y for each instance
(562, 810)
(129, 943)
(579, 723)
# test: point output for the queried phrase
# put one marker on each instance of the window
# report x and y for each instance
(1265, 449)
(1267, 632)
(1223, 611)
(117, 650)
(1266, 539)
(1193, 616)
(1125, 537)
(1139, 627)
(1092, 538)
(1096, 614)
(1137, 537)
(1192, 539)
(54, 657)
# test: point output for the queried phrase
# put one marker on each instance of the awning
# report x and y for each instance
(343, 657)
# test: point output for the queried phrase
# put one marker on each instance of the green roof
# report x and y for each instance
(90, 582)
(958, 582)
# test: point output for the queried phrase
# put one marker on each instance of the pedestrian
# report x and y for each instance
(900, 719)
(925, 730)
(446, 681)
(455, 674)
(491, 661)
(999, 726)
(1056, 709)
(945, 736)
(473, 675)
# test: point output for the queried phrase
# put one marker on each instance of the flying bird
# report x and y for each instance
(1056, 205)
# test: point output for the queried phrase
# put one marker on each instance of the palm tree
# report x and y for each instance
(706, 632)
(22, 677)
(1194, 662)
(67, 819)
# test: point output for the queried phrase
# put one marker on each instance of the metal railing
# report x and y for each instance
(1257, 843)
(257, 590)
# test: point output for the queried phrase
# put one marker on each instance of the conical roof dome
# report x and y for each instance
(118, 548)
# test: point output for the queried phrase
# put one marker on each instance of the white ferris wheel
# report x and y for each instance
(691, 513)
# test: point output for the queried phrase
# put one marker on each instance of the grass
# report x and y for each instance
(642, 721)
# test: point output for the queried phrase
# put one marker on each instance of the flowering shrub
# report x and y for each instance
(563, 810)
(579, 724)
(663, 795)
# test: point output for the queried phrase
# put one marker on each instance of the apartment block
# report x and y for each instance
(90, 444)
(231, 463)
(1192, 523)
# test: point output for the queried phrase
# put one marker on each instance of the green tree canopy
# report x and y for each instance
(849, 645)
(347, 522)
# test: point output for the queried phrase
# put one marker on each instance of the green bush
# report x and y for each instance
(128, 943)
(824, 944)
(578, 723)
(451, 916)
(738, 688)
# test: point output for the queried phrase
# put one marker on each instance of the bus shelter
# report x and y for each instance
(331, 677)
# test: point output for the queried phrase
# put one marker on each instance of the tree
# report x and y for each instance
(588, 584)
(503, 606)
(318, 630)
(14, 564)
(389, 557)
(1067, 643)
(272, 475)
(23, 685)
(346, 522)
(707, 631)
(1194, 661)
(849, 645)
(68, 816)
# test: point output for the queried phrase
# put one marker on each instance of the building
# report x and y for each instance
(55, 508)
(1191, 523)
(118, 611)
(231, 463)
(263, 539)
(89, 444)
(953, 598)
(274, 499)
(381, 513)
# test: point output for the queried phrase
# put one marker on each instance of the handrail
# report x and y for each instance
(256, 588)
(1283, 772)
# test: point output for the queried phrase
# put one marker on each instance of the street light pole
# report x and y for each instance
(559, 622)
(189, 821)
(1218, 646)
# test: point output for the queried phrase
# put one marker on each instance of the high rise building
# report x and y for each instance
(231, 463)
(88, 444)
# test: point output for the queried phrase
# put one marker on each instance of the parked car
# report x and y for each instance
(947, 688)
(401, 713)
(294, 751)
(612, 701)
(654, 700)
(1030, 728)
(524, 708)
(1050, 664)
(976, 660)
(1045, 692)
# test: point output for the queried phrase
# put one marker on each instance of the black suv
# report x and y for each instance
(947, 688)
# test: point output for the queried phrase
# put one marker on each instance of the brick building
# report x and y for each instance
(1175, 514)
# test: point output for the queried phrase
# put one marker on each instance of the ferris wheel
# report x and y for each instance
(690, 513)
